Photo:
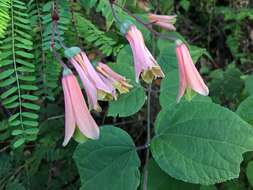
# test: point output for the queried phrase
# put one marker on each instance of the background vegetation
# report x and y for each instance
(220, 34)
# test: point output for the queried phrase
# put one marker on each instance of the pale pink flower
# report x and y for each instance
(164, 21)
(144, 62)
(76, 111)
(96, 88)
(189, 76)
(117, 80)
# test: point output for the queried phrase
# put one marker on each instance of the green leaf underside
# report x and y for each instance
(105, 164)
(200, 142)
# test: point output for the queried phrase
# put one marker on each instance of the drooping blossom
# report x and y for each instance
(76, 111)
(144, 63)
(96, 88)
(189, 76)
(164, 21)
(117, 80)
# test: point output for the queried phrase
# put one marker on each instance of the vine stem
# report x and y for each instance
(146, 25)
(58, 58)
(145, 170)
(114, 14)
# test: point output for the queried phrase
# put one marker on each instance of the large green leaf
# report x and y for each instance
(201, 142)
(110, 163)
(169, 88)
(167, 57)
(159, 180)
(130, 103)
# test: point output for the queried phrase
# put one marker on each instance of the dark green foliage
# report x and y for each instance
(196, 141)
(18, 76)
(4, 16)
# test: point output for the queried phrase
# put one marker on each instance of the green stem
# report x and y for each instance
(15, 66)
(145, 171)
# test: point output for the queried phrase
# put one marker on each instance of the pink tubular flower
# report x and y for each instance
(163, 21)
(118, 81)
(76, 111)
(188, 74)
(96, 88)
(144, 62)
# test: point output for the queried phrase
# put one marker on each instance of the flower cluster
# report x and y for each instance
(102, 83)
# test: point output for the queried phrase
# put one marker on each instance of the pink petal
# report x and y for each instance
(194, 80)
(109, 83)
(84, 120)
(182, 76)
(161, 18)
(69, 113)
(90, 88)
(93, 75)
(143, 59)
(166, 26)
(110, 73)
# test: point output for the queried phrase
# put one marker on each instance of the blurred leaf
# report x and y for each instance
(245, 110)
(249, 172)
(233, 185)
(185, 4)
(249, 84)
(15, 186)
(5, 165)
(108, 163)
(217, 139)
(211, 187)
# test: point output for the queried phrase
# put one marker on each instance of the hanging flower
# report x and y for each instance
(96, 88)
(189, 76)
(117, 80)
(164, 21)
(144, 63)
(76, 111)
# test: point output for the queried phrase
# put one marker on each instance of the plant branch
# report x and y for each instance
(114, 13)
(147, 25)
(145, 171)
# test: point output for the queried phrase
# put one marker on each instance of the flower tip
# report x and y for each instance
(205, 91)
(124, 27)
(96, 135)
(72, 52)
(65, 142)
(179, 42)
(66, 72)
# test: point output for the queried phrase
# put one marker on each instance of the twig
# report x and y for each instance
(146, 146)
(55, 117)
(58, 58)
(145, 170)
(5, 148)
(114, 14)
(55, 18)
